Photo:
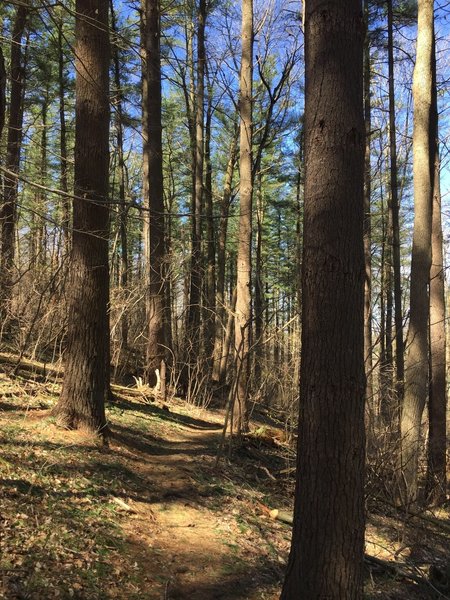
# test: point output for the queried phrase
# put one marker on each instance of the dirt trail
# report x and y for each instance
(181, 535)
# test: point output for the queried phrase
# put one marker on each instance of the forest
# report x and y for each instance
(223, 299)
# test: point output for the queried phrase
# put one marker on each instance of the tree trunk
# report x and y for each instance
(259, 287)
(367, 227)
(86, 373)
(2, 92)
(155, 202)
(64, 168)
(416, 382)
(243, 299)
(223, 363)
(210, 254)
(299, 220)
(41, 196)
(437, 405)
(394, 216)
(327, 549)
(8, 210)
(386, 356)
(221, 258)
(197, 209)
(124, 266)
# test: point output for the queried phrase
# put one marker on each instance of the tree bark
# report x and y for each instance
(210, 254)
(154, 187)
(394, 216)
(2, 92)
(197, 209)
(327, 549)
(86, 372)
(243, 298)
(123, 211)
(221, 258)
(64, 168)
(368, 232)
(437, 405)
(416, 371)
(259, 286)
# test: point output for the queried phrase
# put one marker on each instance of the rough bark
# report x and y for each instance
(86, 373)
(243, 298)
(327, 549)
(416, 372)
(154, 187)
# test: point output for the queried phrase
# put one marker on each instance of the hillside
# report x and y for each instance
(155, 516)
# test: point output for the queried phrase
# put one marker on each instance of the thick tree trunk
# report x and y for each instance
(86, 373)
(416, 381)
(154, 186)
(243, 299)
(327, 550)
(8, 209)
(437, 405)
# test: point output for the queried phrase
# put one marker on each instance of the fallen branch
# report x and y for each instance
(124, 505)
(415, 515)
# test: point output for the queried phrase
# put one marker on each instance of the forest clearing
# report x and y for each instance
(152, 517)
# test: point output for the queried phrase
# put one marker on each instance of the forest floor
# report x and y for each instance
(153, 516)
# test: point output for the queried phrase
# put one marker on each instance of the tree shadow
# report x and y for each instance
(165, 414)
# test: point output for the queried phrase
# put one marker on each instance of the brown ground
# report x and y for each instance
(152, 517)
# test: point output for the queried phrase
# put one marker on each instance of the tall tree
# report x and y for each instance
(123, 210)
(64, 167)
(154, 203)
(416, 371)
(86, 372)
(327, 548)
(367, 218)
(209, 300)
(394, 217)
(243, 298)
(437, 404)
(8, 209)
(221, 316)
(2, 91)
(197, 192)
